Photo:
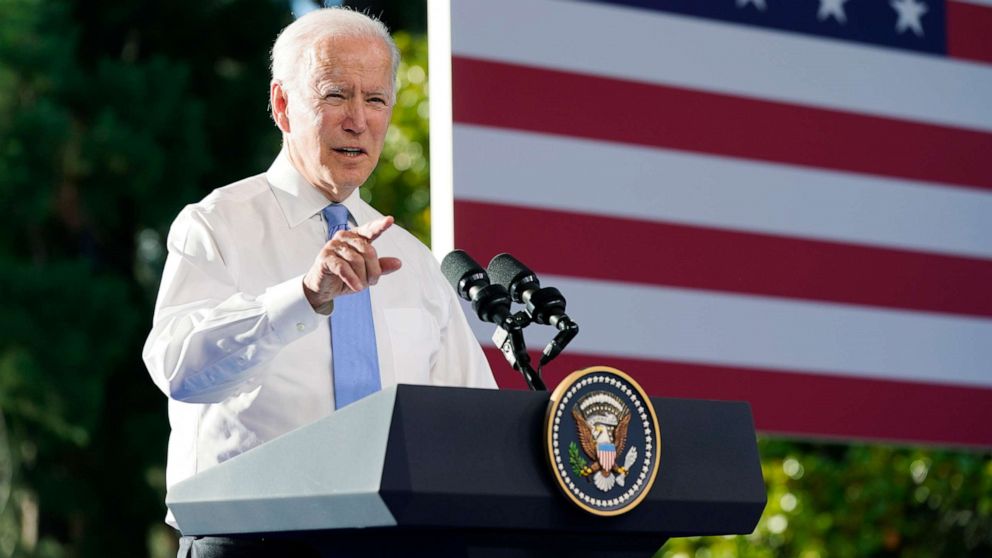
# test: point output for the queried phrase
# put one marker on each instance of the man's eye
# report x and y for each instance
(334, 96)
(377, 100)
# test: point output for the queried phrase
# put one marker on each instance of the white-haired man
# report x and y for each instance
(241, 341)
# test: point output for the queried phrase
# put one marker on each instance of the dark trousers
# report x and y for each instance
(228, 547)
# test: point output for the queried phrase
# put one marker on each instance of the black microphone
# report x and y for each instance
(544, 305)
(490, 302)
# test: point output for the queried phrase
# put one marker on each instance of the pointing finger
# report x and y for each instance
(373, 229)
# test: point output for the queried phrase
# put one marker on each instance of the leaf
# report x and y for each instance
(575, 460)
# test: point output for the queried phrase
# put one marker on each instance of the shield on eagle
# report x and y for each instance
(607, 454)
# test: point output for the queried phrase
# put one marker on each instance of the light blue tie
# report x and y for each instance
(353, 350)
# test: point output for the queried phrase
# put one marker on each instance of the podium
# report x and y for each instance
(419, 470)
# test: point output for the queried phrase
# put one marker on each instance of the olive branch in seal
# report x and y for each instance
(575, 460)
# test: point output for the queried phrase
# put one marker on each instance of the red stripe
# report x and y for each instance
(608, 248)
(526, 98)
(969, 31)
(801, 403)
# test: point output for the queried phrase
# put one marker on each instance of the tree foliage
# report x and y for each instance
(108, 125)
(862, 500)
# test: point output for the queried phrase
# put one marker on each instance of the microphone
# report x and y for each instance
(544, 305)
(490, 302)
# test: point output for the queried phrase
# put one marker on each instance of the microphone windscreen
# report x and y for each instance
(504, 269)
(456, 265)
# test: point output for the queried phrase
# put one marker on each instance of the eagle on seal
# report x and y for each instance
(604, 450)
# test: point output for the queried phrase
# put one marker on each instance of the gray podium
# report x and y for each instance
(416, 470)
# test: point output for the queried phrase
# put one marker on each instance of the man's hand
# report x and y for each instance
(347, 264)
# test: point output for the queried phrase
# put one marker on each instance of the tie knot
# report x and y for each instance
(336, 216)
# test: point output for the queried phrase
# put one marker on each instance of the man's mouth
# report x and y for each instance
(350, 151)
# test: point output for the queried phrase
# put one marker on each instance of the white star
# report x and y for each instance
(760, 4)
(832, 8)
(910, 13)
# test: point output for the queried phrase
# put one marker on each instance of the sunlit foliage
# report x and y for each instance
(863, 500)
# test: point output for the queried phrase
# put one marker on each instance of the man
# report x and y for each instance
(241, 341)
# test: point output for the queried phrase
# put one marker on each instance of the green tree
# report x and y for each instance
(856, 500)
(111, 118)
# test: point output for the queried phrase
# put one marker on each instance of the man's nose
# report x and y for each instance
(354, 121)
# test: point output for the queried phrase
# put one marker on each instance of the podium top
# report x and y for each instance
(431, 457)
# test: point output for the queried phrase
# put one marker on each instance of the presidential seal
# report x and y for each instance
(602, 440)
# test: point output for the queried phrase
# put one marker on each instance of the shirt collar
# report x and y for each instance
(298, 199)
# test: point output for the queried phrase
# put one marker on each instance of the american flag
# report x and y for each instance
(787, 202)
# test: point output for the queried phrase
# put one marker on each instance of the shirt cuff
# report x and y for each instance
(289, 311)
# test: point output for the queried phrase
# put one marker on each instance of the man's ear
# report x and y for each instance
(279, 104)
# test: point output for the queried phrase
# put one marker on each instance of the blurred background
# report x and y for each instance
(113, 116)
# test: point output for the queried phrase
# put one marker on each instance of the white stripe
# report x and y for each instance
(659, 48)
(636, 321)
(569, 174)
(439, 58)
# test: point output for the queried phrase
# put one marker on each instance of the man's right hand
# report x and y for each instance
(347, 264)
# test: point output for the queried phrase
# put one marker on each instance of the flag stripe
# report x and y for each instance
(727, 193)
(662, 116)
(716, 57)
(798, 403)
(726, 329)
(969, 31)
(705, 258)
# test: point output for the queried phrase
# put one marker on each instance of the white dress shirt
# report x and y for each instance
(237, 347)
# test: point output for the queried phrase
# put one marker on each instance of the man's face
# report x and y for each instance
(335, 116)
